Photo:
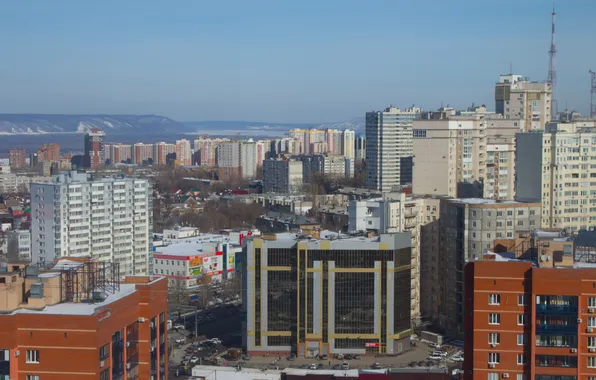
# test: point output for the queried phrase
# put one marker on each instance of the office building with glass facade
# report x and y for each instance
(312, 297)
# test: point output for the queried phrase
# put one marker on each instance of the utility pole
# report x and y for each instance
(552, 69)
(593, 94)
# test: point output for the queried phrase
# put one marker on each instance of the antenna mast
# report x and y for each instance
(593, 94)
(552, 69)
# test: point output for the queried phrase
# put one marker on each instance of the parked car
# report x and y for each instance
(357, 357)
(345, 365)
(194, 360)
(313, 366)
(323, 357)
(457, 358)
(179, 327)
(435, 357)
(291, 358)
(339, 356)
(180, 339)
(375, 366)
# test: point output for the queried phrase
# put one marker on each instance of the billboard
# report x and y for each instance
(209, 265)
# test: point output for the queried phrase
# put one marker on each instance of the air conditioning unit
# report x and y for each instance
(152, 348)
(101, 363)
(592, 349)
(579, 320)
(574, 350)
(590, 309)
(127, 344)
(505, 376)
(152, 325)
(141, 320)
(128, 365)
(589, 329)
(17, 353)
(491, 365)
(493, 345)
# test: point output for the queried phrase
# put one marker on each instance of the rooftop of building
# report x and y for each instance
(195, 248)
(586, 238)
(483, 201)
(289, 218)
(207, 371)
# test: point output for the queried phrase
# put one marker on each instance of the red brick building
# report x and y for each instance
(71, 321)
(16, 158)
(523, 322)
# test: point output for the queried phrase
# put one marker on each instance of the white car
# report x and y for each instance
(313, 366)
(434, 357)
(194, 359)
(179, 327)
(457, 358)
(180, 340)
(439, 353)
(215, 341)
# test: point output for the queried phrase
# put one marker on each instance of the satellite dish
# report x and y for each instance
(547, 258)
(542, 258)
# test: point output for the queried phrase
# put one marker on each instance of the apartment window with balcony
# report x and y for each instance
(522, 300)
(521, 339)
(494, 357)
(558, 361)
(521, 359)
(521, 319)
(32, 356)
(494, 338)
(494, 299)
(494, 319)
(556, 341)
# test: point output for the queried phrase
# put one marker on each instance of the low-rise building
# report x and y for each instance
(19, 244)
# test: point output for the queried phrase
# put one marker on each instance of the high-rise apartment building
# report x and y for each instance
(79, 321)
(94, 150)
(118, 153)
(49, 152)
(207, 148)
(524, 322)
(388, 139)
(500, 168)
(161, 151)
(19, 244)
(228, 161)
(449, 156)
(321, 296)
(17, 158)
(110, 219)
(183, 152)
(348, 138)
(360, 148)
(467, 227)
(248, 159)
(282, 176)
(518, 98)
(558, 168)
(142, 153)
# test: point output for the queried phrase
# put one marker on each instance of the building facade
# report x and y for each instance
(110, 219)
(500, 168)
(327, 296)
(248, 159)
(94, 149)
(19, 244)
(183, 152)
(282, 176)
(517, 97)
(49, 152)
(388, 139)
(161, 151)
(558, 168)
(526, 322)
(17, 158)
(450, 156)
(467, 228)
(101, 328)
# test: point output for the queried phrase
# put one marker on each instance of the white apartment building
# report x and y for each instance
(500, 168)
(449, 156)
(348, 139)
(19, 244)
(183, 152)
(397, 212)
(282, 176)
(558, 168)
(110, 219)
(518, 98)
(15, 183)
(388, 140)
(248, 159)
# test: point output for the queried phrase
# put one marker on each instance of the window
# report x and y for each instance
(521, 359)
(104, 352)
(521, 319)
(494, 338)
(592, 341)
(592, 322)
(592, 302)
(521, 376)
(494, 357)
(493, 376)
(105, 374)
(509, 213)
(32, 356)
(521, 339)
(32, 377)
(592, 361)
(494, 319)
(522, 300)
(494, 299)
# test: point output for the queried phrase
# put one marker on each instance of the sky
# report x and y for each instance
(301, 61)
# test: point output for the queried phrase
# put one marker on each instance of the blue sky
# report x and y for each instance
(282, 60)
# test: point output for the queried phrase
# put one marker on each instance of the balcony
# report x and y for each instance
(556, 309)
(551, 329)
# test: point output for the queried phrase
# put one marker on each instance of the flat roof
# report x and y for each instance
(185, 249)
(483, 201)
(72, 308)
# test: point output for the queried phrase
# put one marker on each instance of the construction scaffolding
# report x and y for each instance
(87, 281)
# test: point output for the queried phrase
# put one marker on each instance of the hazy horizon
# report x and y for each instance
(282, 62)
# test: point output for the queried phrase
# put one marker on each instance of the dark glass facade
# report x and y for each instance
(117, 355)
(4, 364)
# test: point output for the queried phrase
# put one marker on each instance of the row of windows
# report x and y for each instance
(495, 338)
(495, 299)
(495, 319)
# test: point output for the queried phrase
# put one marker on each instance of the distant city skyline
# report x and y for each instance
(293, 62)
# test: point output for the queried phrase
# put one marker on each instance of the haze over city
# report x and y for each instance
(306, 61)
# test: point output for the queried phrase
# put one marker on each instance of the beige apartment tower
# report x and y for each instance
(517, 97)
